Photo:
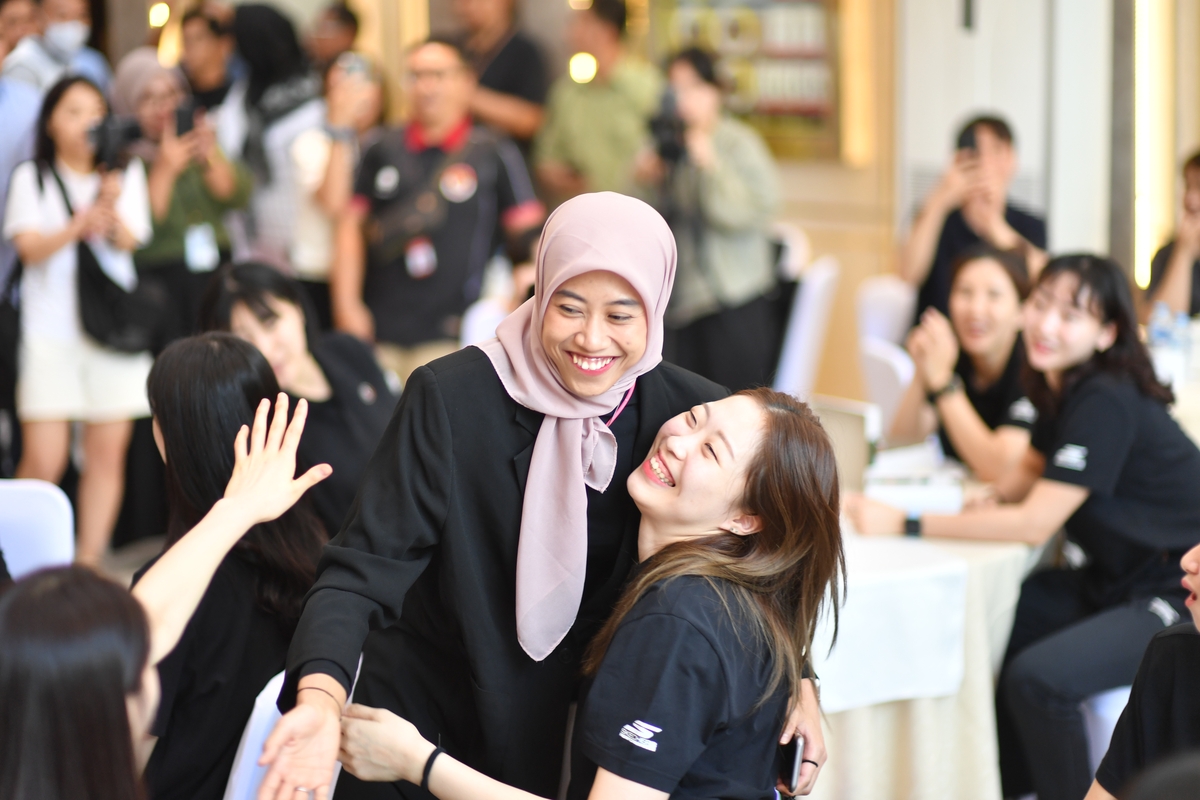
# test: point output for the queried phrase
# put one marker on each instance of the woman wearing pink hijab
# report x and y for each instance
(493, 531)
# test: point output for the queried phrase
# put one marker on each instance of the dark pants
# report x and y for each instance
(735, 347)
(1063, 651)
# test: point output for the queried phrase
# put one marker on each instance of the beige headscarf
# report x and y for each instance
(574, 448)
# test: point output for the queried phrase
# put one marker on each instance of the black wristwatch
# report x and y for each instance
(955, 384)
(912, 526)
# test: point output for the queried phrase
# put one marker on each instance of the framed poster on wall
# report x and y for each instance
(779, 58)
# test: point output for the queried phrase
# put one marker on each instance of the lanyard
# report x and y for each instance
(624, 402)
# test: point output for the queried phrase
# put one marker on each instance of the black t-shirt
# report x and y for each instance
(515, 67)
(1163, 714)
(228, 652)
(1142, 471)
(956, 237)
(674, 704)
(211, 98)
(1002, 403)
(344, 430)
(482, 183)
(1158, 268)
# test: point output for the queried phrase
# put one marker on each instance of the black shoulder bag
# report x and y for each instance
(128, 321)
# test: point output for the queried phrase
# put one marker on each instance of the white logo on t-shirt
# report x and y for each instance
(1023, 411)
(641, 734)
(1071, 456)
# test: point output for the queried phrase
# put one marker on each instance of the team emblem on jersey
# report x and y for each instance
(459, 183)
(387, 180)
(420, 259)
(641, 734)
(1071, 456)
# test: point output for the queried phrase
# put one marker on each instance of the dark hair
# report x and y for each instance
(702, 62)
(214, 25)
(1011, 261)
(267, 40)
(611, 12)
(1193, 162)
(450, 44)
(1103, 290)
(783, 575)
(1176, 778)
(202, 390)
(251, 284)
(73, 645)
(44, 152)
(998, 126)
(342, 14)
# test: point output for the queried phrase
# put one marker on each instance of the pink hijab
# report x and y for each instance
(574, 448)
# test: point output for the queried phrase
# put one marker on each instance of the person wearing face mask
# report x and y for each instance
(78, 654)
(1108, 464)
(1162, 718)
(970, 205)
(968, 382)
(60, 49)
(719, 195)
(494, 529)
(191, 184)
(349, 399)
(1176, 265)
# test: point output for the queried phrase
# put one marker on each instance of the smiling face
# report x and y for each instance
(1191, 582)
(692, 482)
(1062, 330)
(985, 308)
(594, 331)
(281, 339)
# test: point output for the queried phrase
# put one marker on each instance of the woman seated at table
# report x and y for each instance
(968, 368)
(349, 400)
(688, 680)
(1109, 463)
(1162, 718)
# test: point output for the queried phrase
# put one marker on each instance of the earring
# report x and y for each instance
(735, 531)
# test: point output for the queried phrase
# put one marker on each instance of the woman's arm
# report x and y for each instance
(915, 419)
(1033, 521)
(35, 247)
(261, 488)
(516, 116)
(989, 453)
(1175, 286)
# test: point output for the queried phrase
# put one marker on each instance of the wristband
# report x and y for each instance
(955, 384)
(341, 133)
(437, 751)
(318, 689)
(912, 526)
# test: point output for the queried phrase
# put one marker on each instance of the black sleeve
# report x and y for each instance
(528, 78)
(386, 543)
(513, 185)
(370, 163)
(1019, 411)
(1031, 228)
(1093, 437)
(659, 695)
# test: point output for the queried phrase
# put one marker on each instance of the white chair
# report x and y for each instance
(246, 774)
(1100, 715)
(887, 371)
(807, 325)
(37, 526)
(795, 250)
(885, 306)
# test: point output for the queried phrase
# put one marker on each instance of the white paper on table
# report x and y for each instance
(901, 630)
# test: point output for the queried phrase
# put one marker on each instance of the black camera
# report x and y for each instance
(667, 129)
(185, 116)
(111, 137)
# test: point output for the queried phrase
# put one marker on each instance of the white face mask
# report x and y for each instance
(67, 38)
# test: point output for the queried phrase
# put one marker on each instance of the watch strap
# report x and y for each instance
(912, 526)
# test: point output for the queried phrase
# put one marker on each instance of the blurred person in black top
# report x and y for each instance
(432, 202)
(202, 390)
(967, 385)
(969, 205)
(332, 34)
(1175, 270)
(1109, 464)
(204, 59)
(510, 69)
(349, 401)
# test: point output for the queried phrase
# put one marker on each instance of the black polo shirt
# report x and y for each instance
(1142, 472)
(956, 237)
(1163, 714)
(1002, 403)
(675, 704)
(1158, 268)
(485, 188)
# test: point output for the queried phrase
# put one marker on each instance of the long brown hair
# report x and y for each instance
(783, 575)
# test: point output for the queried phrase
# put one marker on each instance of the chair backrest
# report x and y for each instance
(1100, 715)
(37, 526)
(854, 429)
(885, 305)
(807, 325)
(887, 371)
(794, 250)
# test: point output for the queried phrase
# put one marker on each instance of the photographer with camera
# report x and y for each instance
(714, 181)
(73, 214)
(191, 186)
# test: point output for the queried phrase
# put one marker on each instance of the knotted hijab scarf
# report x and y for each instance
(574, 448)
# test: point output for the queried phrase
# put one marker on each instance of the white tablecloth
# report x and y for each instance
(923, 747)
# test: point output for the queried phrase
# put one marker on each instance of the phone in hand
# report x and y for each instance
(791, 757)
(966, 141)
(185, 116)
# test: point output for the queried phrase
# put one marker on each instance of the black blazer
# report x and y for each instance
(426, 564)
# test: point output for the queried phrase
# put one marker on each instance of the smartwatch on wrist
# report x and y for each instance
(912, 526)
(955, 384)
